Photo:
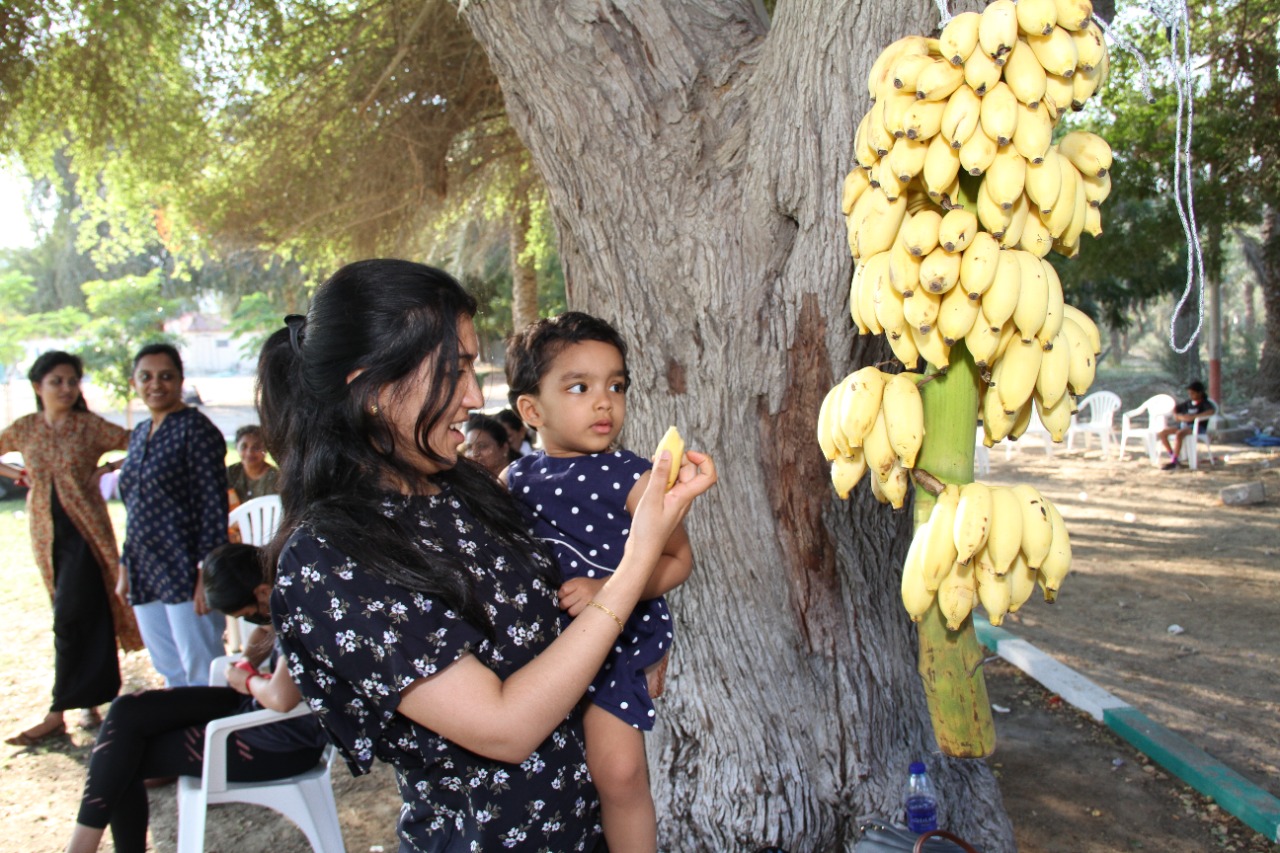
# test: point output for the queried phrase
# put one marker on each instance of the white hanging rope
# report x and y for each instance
(943, 14)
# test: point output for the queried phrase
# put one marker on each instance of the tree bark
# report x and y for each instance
(1267, 381)
(694, 159)
(524, 276)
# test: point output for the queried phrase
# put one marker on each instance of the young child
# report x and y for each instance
(568, 379)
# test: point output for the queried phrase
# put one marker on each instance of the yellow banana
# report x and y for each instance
(1059, 217)
(959, 37)
(904, 349)
(917, 598)
(826, 430)
(956, 229)
(863, 152)
(1033, 298)
(981, 72)
(896, 103)
(886, 303)
(878, 136)
(982, 339)
(1024, 75)
(672, 442)
(846, 471)
(1043, 183)
(973, 519)
(860, 404)
(994, 590)
(1083, 365)
(882, 68)
(1037, 526)
(957, 592)
(999, 115)
(960, 116)
(1051, 382)
(832, 429)
(903, 416)
(874, 270)
(1093, 221)
(956, 315)
(941, 165)
(1056, 51)
(998, 29)
(1004, 537)
(1017, 222)
(1018, 368)
(879, 224)
(932, 348)
(1022, 583)
(1035, 237)
(1057, 94)
(1074, 14)
(950, 197)
(993, 217)
(938, 80)
(1071, 234)
(996, 422)
(904, 269)
(1054, 308)
(884, 178)
(940, 546)
(1085, 83)
(921, 310)
(855, 183)
(1090, 47)
(907, 69)
(1022, 419)
(939, 271)
(896, 485)
(920, 232)
(1001, 297)
(1085, 322)
(1058, 561)
(906, 158)
(1006, 176)
(1096, 189)
(1056, 418)
(876, 448)
(855, 287)
(923, 120)
(877, 489)
(1033, 134)
(1087, 151)
(979, 260)
(1037, 16)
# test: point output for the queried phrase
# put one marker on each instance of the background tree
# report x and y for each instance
(693, 154)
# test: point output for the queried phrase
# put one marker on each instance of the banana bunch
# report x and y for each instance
(872, 421)
(985, 544)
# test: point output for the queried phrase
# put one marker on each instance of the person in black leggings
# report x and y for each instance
(160, 733)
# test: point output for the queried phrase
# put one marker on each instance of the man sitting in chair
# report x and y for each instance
(1191, 414)
(156, 734)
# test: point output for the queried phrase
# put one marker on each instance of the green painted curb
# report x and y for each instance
(1254, 806)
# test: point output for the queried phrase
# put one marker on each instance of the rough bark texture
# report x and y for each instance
(1267, 381)
(694, 158)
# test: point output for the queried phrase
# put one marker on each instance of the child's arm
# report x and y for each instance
(676, 563)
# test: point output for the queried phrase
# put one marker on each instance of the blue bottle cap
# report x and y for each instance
(917, 767)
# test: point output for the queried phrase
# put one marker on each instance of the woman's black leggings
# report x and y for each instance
(159, 733)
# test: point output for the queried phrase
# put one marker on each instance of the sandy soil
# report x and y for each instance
(1153, 549)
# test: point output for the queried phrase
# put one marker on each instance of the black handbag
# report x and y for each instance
(882, 838)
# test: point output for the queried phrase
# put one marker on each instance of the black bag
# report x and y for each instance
(882, 838)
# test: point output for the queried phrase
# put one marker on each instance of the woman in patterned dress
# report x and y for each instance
(418, 614)
(71, 535)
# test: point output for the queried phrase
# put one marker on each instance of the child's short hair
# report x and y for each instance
(231, 572)
(531, 350)
(1197, 386)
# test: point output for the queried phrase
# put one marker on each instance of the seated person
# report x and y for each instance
(520, 435)
(252, 476)
(156, 734)
(1190, 414)
(487, 443)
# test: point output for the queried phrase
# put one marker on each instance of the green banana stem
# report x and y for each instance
(949, 662)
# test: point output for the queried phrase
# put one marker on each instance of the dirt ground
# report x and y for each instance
(1153, 550)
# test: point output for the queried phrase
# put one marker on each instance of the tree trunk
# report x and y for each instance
(693, 158)
(1267, 381)
(524, 276)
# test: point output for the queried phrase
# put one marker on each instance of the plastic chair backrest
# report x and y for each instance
(258, 519)
(1102, 406)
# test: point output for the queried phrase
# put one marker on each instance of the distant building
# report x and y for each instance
(207, 346)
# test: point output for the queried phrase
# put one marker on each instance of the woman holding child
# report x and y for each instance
(417, 612)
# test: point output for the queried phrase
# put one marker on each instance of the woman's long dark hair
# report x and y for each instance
(371, 326)
(46, 363)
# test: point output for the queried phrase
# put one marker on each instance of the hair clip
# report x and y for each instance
(297, 324)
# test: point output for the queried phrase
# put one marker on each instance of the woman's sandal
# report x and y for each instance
(27, 739)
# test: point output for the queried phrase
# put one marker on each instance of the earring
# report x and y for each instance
(373, 410)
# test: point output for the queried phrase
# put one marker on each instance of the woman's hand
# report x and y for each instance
(122, 587)
(660, 510)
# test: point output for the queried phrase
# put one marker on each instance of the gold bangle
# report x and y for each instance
(612, 615)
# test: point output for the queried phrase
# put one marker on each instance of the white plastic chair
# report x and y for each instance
(258, 519)
(1189, 448)
(981, 456)
(1035, 429)
(306, 799)
(1102, 406)
(1157, 410)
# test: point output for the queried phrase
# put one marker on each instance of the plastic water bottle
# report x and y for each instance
(921, 801)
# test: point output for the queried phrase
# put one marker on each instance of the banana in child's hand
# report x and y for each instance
(673, 442)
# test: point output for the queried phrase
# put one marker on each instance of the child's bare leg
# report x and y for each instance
(615, 756)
